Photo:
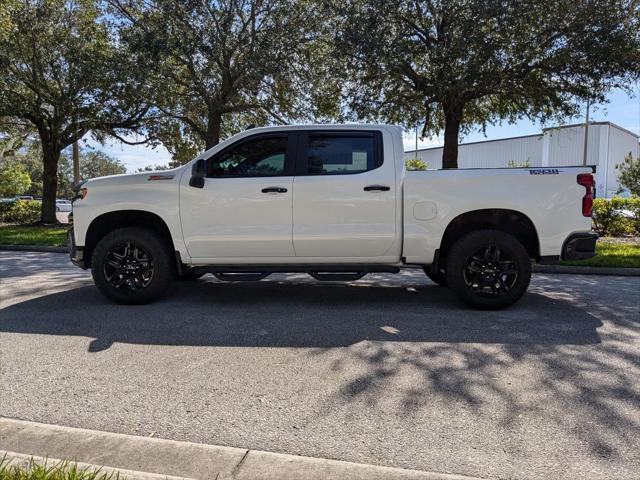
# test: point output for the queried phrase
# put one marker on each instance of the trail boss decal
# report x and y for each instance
(160, 177)
(544, 171)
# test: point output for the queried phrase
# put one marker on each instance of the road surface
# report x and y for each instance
(389, 370)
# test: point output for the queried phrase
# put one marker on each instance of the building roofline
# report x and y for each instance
(611, 124)
(604, 122)
(479, 141)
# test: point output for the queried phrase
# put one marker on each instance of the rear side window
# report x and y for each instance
(257, 157)
(338, 154)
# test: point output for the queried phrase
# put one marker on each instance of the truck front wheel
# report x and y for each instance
(131, 266)
(439, 278)
(488, 269)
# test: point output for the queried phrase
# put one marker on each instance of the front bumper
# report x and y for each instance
(579, 246)
(75, 253)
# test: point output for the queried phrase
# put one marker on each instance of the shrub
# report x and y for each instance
(633, 205)
(609, 220)
(14, 179)
(629, 176)
(20, 211)
(416, 164)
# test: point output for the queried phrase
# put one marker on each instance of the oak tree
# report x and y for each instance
(221, 65)
(63, 70)
(454, 64)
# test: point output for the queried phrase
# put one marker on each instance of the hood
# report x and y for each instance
(135, 178)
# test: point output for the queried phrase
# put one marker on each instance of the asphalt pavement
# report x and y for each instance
(388, 370)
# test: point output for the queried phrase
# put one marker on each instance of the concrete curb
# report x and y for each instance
(184, 459)
(22, 461)
(570, 269)
(34, 248)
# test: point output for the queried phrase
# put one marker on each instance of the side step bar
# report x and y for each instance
(243, 273)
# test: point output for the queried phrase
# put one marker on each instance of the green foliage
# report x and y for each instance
(98, 164)
(52, 471)
(415, 164)
(629, 176)
(20, 211)
(454, 64)
(221, 66)
(609, 219)
(64, 71)
(14, 179)
(514, 164)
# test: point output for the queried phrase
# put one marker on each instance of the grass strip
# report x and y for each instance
(40, 235)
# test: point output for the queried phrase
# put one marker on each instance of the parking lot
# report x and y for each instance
(388, 370)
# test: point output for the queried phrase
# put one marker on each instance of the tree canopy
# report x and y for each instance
(63, 71)
(629, 176)
(454, 64)
(223, 65)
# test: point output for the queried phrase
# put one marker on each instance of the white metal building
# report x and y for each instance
(559, 146)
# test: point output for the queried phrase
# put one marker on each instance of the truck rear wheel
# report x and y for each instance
(488, 269)
(131, 266)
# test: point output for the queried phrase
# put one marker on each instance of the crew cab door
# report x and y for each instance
(244, 207)
(344, 196)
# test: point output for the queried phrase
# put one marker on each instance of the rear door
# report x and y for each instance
(344, 200)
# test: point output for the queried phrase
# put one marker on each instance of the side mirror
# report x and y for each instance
(198, 172)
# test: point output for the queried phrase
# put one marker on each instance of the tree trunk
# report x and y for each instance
(452, 118)
(212, 137)
(50, 158)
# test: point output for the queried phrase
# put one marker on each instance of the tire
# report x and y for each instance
(440, 278)
(190, 275)
(488, 269)
(145, 269)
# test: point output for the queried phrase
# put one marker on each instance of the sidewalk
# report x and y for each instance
(140, 458)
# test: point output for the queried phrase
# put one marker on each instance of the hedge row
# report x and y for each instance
(617, 216)
(20, 211)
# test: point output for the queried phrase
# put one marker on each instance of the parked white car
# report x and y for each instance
(335, 202)
(63, 205)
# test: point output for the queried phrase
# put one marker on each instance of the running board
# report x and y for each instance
(240, 277)
(249, 273)
(337, 276)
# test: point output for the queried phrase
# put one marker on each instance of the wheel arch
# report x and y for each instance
(509, 221)
(110, 221)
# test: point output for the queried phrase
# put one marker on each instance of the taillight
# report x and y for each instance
(587, 181)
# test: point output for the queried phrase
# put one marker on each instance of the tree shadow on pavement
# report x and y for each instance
(576, 393)
(313, 315)
(532, 382)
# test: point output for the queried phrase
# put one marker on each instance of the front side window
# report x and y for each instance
(259, 157)
(340, 154)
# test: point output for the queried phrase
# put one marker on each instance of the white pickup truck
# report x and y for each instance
(335, 202)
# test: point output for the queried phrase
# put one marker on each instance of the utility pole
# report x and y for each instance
(416, 141)
(76, 163)
(586, 134)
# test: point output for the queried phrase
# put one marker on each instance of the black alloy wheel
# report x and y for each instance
(488, 269)
(132, 265)
(129, 266)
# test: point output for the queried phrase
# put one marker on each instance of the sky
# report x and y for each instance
(622, 109)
